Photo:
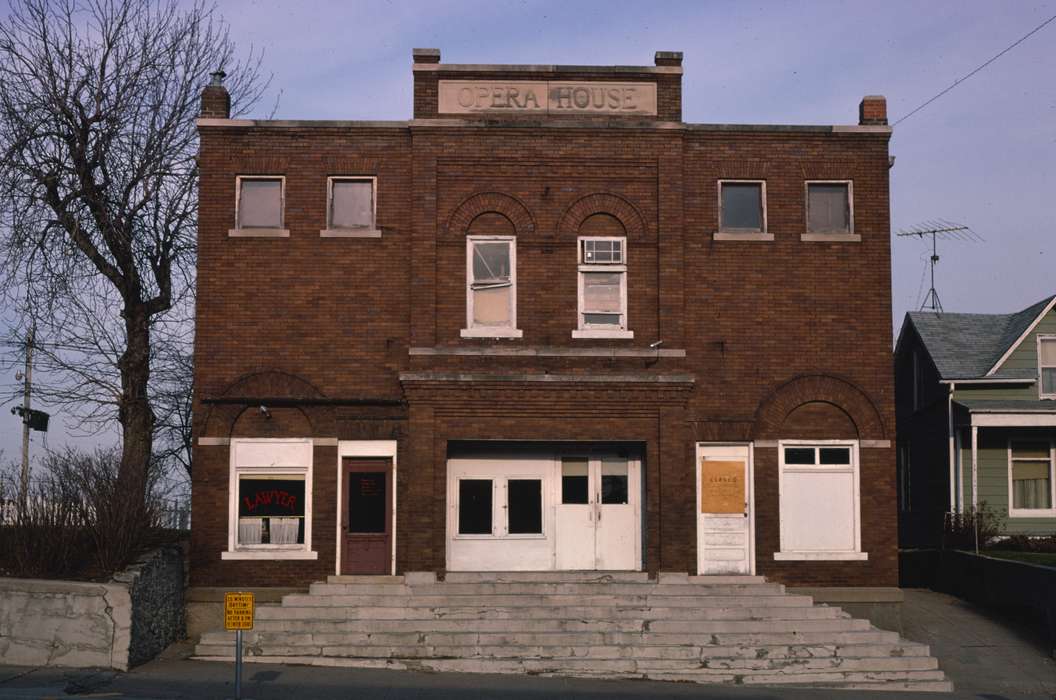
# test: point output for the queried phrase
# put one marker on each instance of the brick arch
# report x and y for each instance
(602, 203)
(487, 202)
(222, 419)
(818, 388)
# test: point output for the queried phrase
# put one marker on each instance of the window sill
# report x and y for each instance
(821, 556)
(831, 237)
(600, 334)
(258, 233)
(269, 554)
(491, 333)
(350, 233)
(1027, 513)
(742, 236)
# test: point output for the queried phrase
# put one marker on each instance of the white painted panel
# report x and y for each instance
(615, 538)
(817, 512)
(722, 539)
(575, 536)
(273, 453)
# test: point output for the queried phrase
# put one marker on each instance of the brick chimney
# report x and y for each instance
(873, 111)
(668, 58)
(216, 101)
(425, 55)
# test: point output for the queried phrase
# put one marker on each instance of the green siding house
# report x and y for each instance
(975, 401)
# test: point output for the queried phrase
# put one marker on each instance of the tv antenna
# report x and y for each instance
(946, 230)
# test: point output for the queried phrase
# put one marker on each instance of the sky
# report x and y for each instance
(983, 155)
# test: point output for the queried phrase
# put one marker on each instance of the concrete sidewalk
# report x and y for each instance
(985, 657)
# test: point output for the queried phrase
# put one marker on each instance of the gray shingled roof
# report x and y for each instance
(1008, 405)
(966, 346)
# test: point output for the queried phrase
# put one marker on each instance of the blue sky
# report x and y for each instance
(983, 155)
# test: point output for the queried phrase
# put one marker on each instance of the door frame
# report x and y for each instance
(364, 448)
(749, 484)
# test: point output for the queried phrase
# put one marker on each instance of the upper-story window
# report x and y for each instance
(491, 287)
(602, 305)
(351, 206)
(742, 206)
(260, 205)
(830, 207)
(1047, 366)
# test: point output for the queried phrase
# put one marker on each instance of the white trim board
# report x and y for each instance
(1020, 339)
(1013, 420)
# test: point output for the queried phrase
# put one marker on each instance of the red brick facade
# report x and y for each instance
(359, 338)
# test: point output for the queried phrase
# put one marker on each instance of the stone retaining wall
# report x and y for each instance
(109, 625)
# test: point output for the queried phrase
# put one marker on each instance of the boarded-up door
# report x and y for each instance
(366, 519)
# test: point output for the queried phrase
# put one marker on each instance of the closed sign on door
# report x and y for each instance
(721, 486)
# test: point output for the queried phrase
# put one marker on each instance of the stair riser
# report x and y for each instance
(615, 589)
(525, 600)
(292, 612)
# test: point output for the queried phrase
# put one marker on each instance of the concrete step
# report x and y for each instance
(366, 580)
(321, 623)
(304, 608)
(546, 577)
(550, 588)
(539, 600)
(628, 668)
(223, 643)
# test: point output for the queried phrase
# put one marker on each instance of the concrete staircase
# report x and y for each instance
(714, 629)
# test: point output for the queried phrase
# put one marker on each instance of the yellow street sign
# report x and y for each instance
(238, 611)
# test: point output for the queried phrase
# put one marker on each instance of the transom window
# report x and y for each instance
(259, 202)
(1030, 465)
(1047, 366)
(350, 203)
(602, 288)
(491, 287)
(742, 206)
(829, 207)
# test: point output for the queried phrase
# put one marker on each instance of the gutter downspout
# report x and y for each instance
(951, 451)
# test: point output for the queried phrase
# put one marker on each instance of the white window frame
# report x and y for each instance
(1042, 337)
(500, 511)
(854, 468)
(269, 551)
(590, 330)
(1033, 512)
(848, 235)
(258, 231)
(473, 330)
(734, 234)
(369, 231)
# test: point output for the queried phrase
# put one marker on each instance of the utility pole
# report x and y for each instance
(23, 493)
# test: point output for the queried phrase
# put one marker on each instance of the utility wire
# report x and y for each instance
(1019, 41)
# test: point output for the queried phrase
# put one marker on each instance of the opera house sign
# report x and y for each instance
(547, 97)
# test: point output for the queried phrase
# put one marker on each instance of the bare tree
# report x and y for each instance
(98, 195)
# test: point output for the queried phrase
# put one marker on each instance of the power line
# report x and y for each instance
(1019, 41)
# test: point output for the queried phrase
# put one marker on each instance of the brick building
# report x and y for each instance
(545, 324)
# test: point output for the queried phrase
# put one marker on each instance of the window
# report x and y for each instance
(614, 481)
(1047, 366)
(521, 499)
(351, 207)
(742, 206)
(819, 501)
(830, 207)
(491, 287)
(575, 481)
(259, 206)
(475, 506)
(270, 499)
(602, 305)
(1030, 467)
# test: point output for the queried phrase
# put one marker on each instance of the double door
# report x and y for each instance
(597, 513)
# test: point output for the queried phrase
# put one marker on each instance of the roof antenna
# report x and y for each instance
(939, 228)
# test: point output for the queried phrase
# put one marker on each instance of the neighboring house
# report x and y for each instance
(545, 324)
(976, 405)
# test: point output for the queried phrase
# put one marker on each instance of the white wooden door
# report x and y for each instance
(725, 527)
(598, 521)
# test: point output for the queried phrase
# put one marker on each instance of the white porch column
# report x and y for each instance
(975, 468)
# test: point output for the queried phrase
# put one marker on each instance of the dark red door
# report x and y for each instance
(366, 519)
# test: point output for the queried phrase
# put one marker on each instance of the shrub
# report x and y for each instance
(76, 520)
(1026, 543)
(961, 529)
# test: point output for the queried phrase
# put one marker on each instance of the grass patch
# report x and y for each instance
(1039, 558)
